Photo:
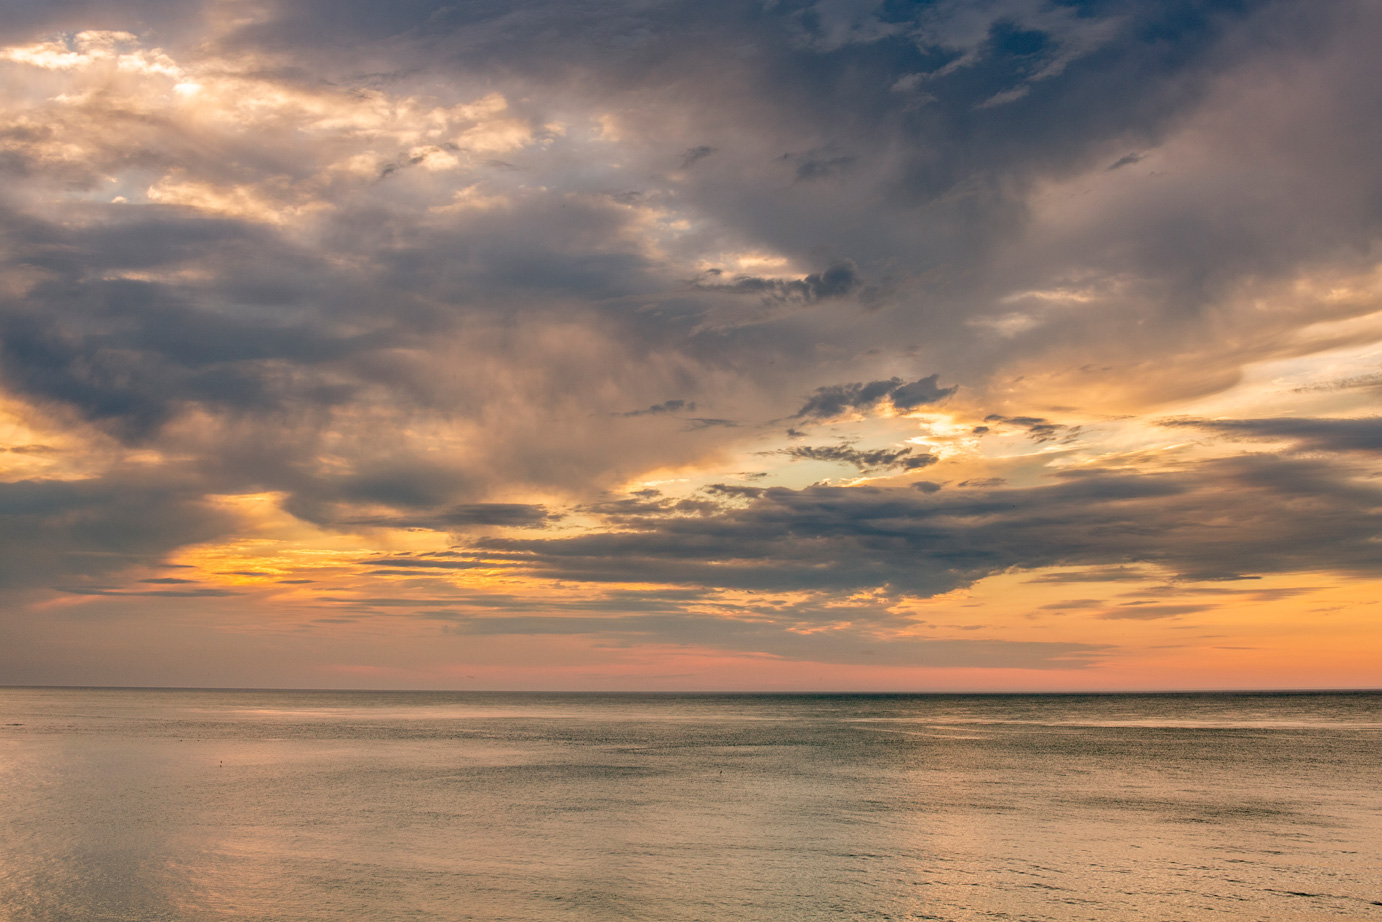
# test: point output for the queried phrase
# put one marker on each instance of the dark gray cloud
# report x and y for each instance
(495, 514)
(1243, 516)
(734, 490)
(1037, 428)
(455, 518)
(694, 154)
(30, 449)
(1361, 434)
(667, 406)
(674, 408)
(1368, 381)
(837, 399)
(129, 354)
(66, 530)
(900, 458)
(205, 592)
(1094, 575)
(820, 164)
(836, 281)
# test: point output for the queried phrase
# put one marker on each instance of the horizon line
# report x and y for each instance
(708, 692)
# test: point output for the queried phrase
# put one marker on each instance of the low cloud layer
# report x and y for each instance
(1361, 435)
(1233, 518)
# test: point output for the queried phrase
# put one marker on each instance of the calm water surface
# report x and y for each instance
(211, 805)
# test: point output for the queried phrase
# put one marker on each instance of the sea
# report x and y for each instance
(132, 805)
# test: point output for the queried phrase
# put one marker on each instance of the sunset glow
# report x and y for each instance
(973, 346)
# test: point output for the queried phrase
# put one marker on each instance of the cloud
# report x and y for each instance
(1125, 160)
(1037, 428)
(1369, 381)
(1142, 611)
(1272, 515)
(846, 645)
(859, 633)
(699, 152)
(667, 406)
(838, 399)
(67, 530)
(495, 514)
(1317, 434)
(203, 592)
(455, 518)
(837, 281)
(815, 166)
(1095, 575)
(875, 459)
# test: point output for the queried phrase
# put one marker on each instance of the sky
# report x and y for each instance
(657, 345)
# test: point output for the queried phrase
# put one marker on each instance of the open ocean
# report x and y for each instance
(136, 805)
